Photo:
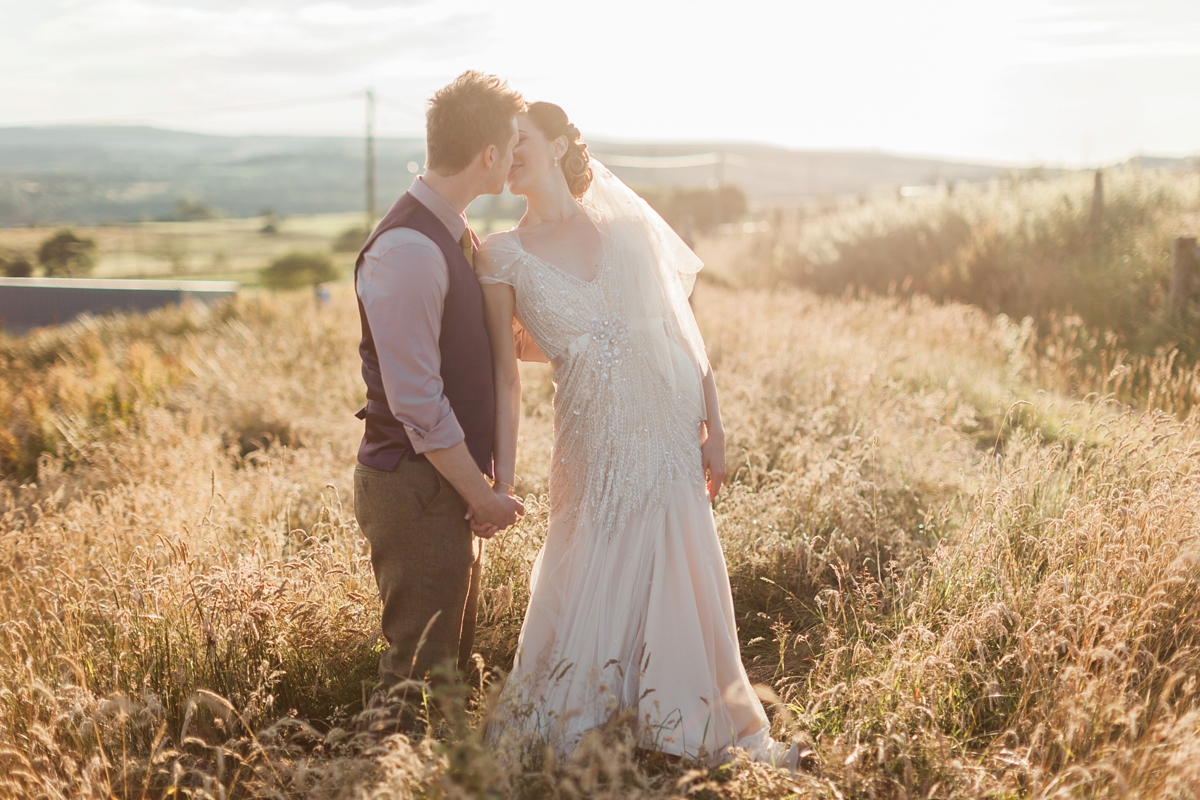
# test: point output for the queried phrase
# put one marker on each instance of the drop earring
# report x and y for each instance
(556, 161)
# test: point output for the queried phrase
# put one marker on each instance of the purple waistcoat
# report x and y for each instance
(463, 342)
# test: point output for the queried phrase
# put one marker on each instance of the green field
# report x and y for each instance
(219, 249)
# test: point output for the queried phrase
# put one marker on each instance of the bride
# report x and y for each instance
(630, 609)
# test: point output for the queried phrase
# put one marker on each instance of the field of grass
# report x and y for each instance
(961, 575)
(217, 249)
(961, 561)
(1091, 289)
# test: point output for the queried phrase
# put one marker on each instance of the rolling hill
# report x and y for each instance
(111, 174)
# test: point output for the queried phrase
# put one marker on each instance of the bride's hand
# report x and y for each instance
(712, 456)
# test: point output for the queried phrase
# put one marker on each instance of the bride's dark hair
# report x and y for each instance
(552, 121)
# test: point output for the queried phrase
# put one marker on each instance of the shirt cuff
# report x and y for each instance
(526, 349)
(446, 433)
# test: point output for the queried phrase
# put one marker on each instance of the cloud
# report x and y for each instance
(289, 5)
(1120, 28)
(132, 38)
(992, 77)
(166, 62)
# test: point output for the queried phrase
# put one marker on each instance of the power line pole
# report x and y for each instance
(370, 159)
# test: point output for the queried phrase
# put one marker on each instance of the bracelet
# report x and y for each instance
(508, 486)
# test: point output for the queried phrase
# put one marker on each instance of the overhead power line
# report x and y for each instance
(400, 105)
(717, 159)
(670, 162)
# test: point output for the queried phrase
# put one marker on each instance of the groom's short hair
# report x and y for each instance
(466, 116)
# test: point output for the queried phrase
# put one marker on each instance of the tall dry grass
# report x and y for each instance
(1095, 288)
(952, 594)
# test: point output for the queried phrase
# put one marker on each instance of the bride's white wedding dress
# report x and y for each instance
(630, 607)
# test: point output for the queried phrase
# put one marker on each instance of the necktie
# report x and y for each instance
(464, 242)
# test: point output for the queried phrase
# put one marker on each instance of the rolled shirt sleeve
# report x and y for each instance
(403, 283)
(527, 349)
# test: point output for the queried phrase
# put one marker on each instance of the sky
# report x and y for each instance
(1057, 82)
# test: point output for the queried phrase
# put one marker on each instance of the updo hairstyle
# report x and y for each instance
(552, 121)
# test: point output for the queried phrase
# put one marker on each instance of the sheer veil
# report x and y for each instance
(656, 277)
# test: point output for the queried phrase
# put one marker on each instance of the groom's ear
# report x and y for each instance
(489, 155)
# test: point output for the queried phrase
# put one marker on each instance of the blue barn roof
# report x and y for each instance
(35, 302)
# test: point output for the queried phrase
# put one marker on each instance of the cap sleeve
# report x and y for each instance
(499, 258)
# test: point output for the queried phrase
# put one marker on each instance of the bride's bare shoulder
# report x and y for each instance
(501, 240)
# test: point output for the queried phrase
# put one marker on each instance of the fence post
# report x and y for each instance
(1183, 271)
(1098, 199)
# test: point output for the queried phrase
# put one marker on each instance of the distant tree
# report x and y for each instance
(298, 269)
(173, 250)
(270, 224)
(699, 209)
(65, 255)
(491, 208)
(350, 240)
(15, 265)
(188, 210)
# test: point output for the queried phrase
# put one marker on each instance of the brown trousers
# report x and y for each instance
(427, 565)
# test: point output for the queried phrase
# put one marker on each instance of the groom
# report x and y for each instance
(421, 490)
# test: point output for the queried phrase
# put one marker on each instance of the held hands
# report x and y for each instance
(712, 455)
(498, 512)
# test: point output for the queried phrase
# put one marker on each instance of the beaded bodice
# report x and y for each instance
(625, 428)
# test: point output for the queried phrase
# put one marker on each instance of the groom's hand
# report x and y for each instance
(479, 529)
(486, 511)
(496, 513)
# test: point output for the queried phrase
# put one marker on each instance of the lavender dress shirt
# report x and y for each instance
(403, 283)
